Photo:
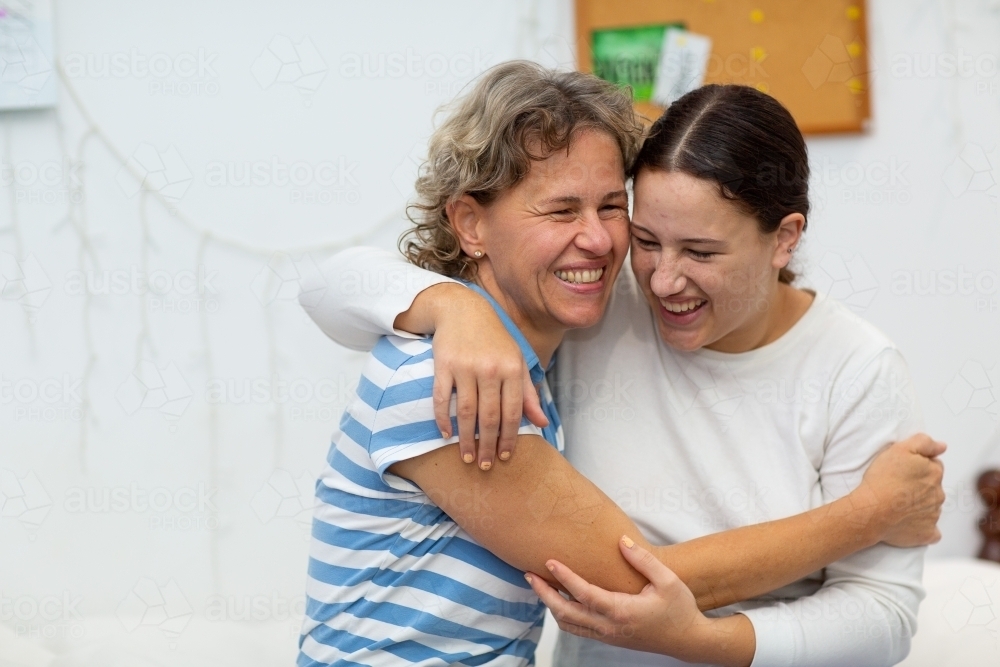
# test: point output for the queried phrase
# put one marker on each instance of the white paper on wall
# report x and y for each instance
(683, 61)
(27, 70)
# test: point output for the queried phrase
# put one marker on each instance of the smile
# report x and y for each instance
(684, 306)
(581, 277)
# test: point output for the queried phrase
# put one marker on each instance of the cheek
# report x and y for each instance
(643, 265)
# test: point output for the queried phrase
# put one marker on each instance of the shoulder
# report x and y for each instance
(845, 335)
(397, 370)
(870, 376)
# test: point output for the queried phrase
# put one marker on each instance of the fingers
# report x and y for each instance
(592, 597)
(443, 383)
(564, 611)
(510, 418)
(646, 563)
(532, 404)
(489, 421)
(926, 446)
(468, 397)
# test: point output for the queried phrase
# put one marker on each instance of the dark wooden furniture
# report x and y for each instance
(989, 492)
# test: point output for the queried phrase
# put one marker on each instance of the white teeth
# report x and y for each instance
(581, 277)
(683, 307)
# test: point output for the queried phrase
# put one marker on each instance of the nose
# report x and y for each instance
(594, 236)
(667, 278)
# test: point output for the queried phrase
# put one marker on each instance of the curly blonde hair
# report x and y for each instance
(483, 147)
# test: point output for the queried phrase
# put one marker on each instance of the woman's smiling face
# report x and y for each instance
(554, 243)
(706, 270)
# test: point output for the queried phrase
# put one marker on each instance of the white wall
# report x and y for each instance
(237, 473)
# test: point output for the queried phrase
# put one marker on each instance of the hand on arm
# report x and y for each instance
(898, 501)
(537, 511)
(474, 354)
(647, 621)
(537, 507)
(356, 298)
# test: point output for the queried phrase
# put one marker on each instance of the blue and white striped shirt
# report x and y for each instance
(392, 579)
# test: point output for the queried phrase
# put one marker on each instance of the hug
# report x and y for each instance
(768, 498)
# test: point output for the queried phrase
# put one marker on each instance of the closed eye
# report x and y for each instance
(645, 243)
(701, 255)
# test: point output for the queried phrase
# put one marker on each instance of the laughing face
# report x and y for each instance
(708, 273)
(553, 245)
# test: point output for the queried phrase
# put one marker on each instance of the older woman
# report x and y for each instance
(417, 558)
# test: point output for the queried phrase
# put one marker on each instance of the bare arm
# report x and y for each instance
(537, 507)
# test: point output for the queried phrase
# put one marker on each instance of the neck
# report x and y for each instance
(543, 340)
(785, 306)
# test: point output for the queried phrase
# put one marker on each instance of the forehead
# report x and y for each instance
(593, 160)
(678, 202)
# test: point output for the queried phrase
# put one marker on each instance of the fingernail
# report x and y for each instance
(504, 456)
(528, 578)
(552, 568)
(468, 458)
(627, 542)
(485, 465)
(446, 434)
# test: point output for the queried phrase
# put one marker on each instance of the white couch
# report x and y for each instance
(959, 627)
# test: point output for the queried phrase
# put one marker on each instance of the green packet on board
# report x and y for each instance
(629, 56)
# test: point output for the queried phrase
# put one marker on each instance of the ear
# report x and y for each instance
(787, 238)
(466, 216)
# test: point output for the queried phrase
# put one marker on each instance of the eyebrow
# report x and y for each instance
(577, 200)
(702, 241)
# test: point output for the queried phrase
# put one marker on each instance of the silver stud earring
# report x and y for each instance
(479, 253)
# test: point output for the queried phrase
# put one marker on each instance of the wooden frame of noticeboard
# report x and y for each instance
(811, 55)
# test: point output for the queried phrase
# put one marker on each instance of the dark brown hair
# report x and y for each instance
(742, 139)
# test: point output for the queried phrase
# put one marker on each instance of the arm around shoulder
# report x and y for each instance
(355, 296)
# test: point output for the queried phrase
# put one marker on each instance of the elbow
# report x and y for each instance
(896, 623)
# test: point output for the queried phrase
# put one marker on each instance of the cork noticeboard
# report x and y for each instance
(809, 54)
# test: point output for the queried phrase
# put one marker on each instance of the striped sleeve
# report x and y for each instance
(403, 426)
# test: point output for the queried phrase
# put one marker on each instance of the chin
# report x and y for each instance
(683, 341)
(580, 319)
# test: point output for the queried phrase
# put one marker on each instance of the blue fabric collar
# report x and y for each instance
(530, 358)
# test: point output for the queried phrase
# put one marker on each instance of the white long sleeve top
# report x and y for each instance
(691, 443)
